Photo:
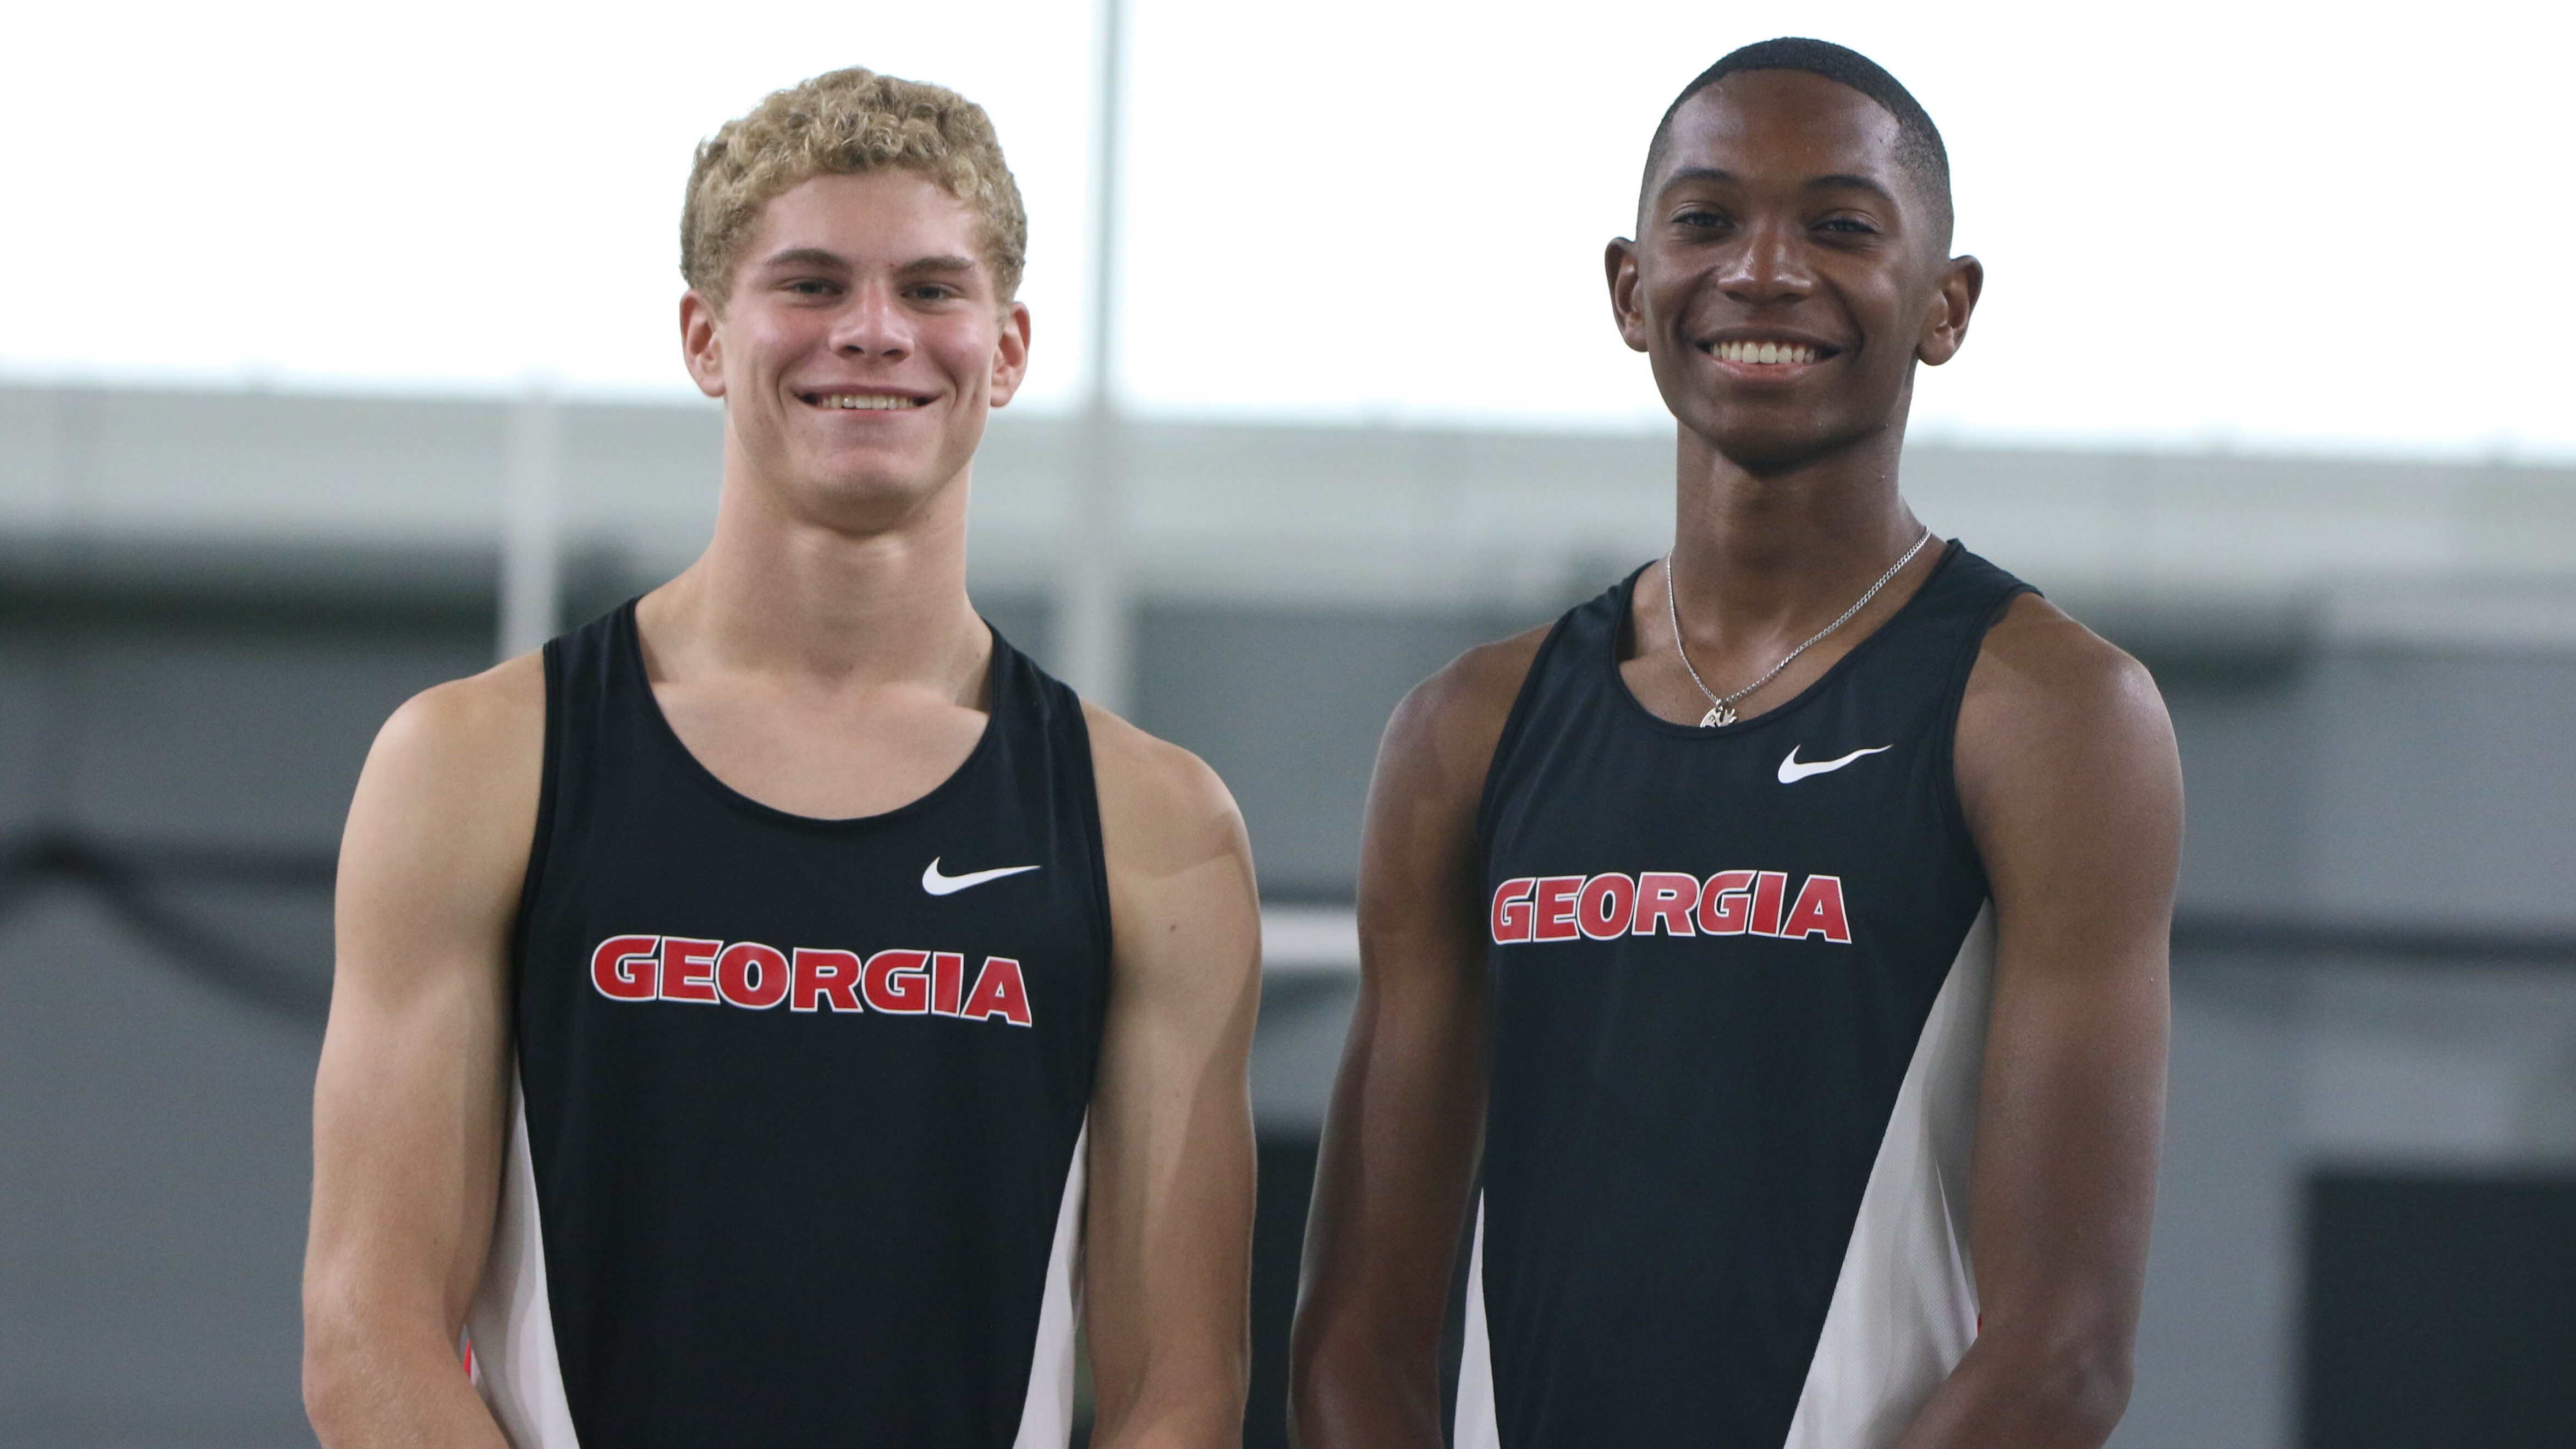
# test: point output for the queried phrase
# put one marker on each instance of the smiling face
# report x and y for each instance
(860, 350)
(1787, 272)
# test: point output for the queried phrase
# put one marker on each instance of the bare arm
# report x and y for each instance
(408, 1107)
(1408, 1110)
(1167, 1258)
(2068, 774)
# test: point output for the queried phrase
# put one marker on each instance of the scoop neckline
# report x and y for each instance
(630, 643)
(1626, 598)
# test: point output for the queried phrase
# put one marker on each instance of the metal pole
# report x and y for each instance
(1104, 208)
(531, 553)
(1095, 614)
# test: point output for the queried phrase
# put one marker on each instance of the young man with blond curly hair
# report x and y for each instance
(771, 1013)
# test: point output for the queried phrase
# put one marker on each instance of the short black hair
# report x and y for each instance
(1918, 141)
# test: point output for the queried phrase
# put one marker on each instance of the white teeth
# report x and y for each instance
(869, 401)
(1762, 352)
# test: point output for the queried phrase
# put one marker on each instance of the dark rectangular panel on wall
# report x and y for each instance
(1278, 1251)
(2441, 1310)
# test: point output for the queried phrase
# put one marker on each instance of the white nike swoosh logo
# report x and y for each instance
(1791, 771)
(942, 885)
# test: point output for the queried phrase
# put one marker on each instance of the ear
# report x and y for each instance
(1011, 354)
(701, 343)
(1619, 260)
(1945, 322)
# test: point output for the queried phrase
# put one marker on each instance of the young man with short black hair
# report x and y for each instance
(1766, 963)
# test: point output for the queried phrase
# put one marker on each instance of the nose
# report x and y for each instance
(1770, 268)
(873, 325)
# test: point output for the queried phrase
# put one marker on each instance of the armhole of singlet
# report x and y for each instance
(541, 843)
(1514, 722)
(1953, 813)
(1089, 791)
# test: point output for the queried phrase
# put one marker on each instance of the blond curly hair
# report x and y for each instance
(838, 124)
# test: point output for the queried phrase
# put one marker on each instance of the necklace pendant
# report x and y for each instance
(1717, 715)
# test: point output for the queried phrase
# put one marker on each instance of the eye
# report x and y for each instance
(1848, 225)
(1700, 218)
(811, 287)
(931, 292)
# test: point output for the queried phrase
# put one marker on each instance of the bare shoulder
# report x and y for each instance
(1442, 736)
(2056, 718)
(446, 807)
(1184, 912)
(472, 744)
(1162, 809)
(2041, 676)
(482, 718)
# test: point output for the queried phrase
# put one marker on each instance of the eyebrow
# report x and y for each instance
(817, 257)
(1695, 173)
(1856, 183)
(1836, 180)
(805, 257)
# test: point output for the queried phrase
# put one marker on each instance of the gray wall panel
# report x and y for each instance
(1288, 706)
(2447, 785)
(2214, 1350)
(2245, 788)
(243, 741)
(152, 1210)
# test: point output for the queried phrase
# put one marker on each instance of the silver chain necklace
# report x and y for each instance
(1722, 711)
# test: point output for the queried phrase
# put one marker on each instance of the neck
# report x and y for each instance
(822, 603)
(1758, 553)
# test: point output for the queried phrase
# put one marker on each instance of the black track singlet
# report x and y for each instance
(796, 1147)
(1739, 1007)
